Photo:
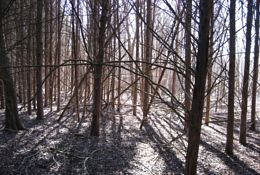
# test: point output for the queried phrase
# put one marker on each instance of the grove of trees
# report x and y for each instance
(92, 56)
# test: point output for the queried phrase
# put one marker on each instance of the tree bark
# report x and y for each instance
(59, 54)
(136, 56)
(12, 121)
(148, 57)
(199, 89)
(231, 78)
(255, 70)
(211, 49)
(39, 59)
(97, 96)
(242, 137)
(187, 96)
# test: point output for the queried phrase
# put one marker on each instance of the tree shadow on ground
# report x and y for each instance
(233, 162)
(239, 163)
(63, 148)
(159, 143)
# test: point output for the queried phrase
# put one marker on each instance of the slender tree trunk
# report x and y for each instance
(75, 52)
(242, 137)
(174, 73)
(51, 78)
(187, 96)
(211, 49)
(148, 57)
(59, 54)
(136, 57)
(39, 59)
(29, 61)
(46, 49)
(97, 96)
(255, 71)
(199, 89)
(231, 78)
(119, 56)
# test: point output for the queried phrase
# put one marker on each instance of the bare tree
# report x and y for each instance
(255, 70)
(209, 78)
(242, 137)
(148, 57)
(39, 59)
(97, 96)
(231, 77)
(12, 121)
(187, 100)
(137, 53)
(196, 114)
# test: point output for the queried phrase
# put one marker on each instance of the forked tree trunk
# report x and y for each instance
(199, 89)
(231, 78)
(242, 137)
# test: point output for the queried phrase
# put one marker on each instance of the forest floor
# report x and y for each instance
(65, 147)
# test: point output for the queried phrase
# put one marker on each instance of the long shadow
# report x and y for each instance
(172, 162)
(21, 149)
(239, 167)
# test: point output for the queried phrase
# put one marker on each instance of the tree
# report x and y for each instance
(39, 59)
(211, 49)
(231, 77)
(242, 136)
(147, 60)
(136, 56)
(187, 96)
(97, 96)
(12, 121)
(255, 69)
(196, 114)
(59, 53)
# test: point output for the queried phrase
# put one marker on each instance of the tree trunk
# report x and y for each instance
(255, 70)
(51, 78)
(59, 54)
(199, 89)
(211, 50)
(148, 57)
(136, 57)
(242, 137)
(12, 121)
(119, 56)
(39, 59)
(231, 78)
(46, 49)
(97, 96)
(187, 96)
